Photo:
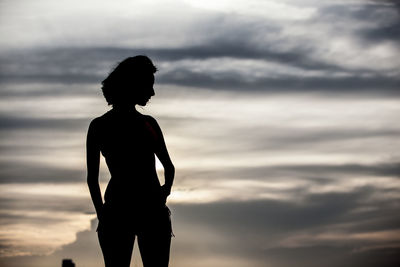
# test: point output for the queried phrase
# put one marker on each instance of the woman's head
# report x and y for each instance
(130, 83)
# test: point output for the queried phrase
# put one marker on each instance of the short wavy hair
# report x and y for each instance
(121, 81)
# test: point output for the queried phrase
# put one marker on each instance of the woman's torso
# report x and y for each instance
(128, 143)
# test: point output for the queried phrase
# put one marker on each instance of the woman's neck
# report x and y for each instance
(124, 108)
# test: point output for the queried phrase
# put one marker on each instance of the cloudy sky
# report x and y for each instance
(281, 118)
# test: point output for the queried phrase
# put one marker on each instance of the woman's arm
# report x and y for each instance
(93, 164)
(163, 156)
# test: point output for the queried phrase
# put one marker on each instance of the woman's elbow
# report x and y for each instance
(170, 167)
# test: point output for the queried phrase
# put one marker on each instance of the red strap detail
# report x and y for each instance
(152, 131)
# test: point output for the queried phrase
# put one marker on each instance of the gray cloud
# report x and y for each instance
(62, 67)
(85, 251)
(268, 217)
(301, 138)
(327, 173)
(225, 36)
(20, 202)
(26, 123)
(260, 136)
(379, 85)
(389, 31)
(24, 172)
(254, 228)
(380, 16)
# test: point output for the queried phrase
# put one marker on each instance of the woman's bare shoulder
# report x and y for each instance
(153, 122)
(101, 120)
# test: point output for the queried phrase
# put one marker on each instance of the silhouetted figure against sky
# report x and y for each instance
(67, 263)
(134, 203)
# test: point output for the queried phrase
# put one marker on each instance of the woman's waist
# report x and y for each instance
(149, 179)
(126, 170)
(132, 189)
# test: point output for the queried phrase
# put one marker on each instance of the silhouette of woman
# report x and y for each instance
(135, 202)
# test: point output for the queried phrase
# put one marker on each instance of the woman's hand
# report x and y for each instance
(100, 212)
(165, 192)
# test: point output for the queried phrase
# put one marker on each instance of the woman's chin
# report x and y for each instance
(143, 103)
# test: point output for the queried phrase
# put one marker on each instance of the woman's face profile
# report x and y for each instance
(144, 89)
